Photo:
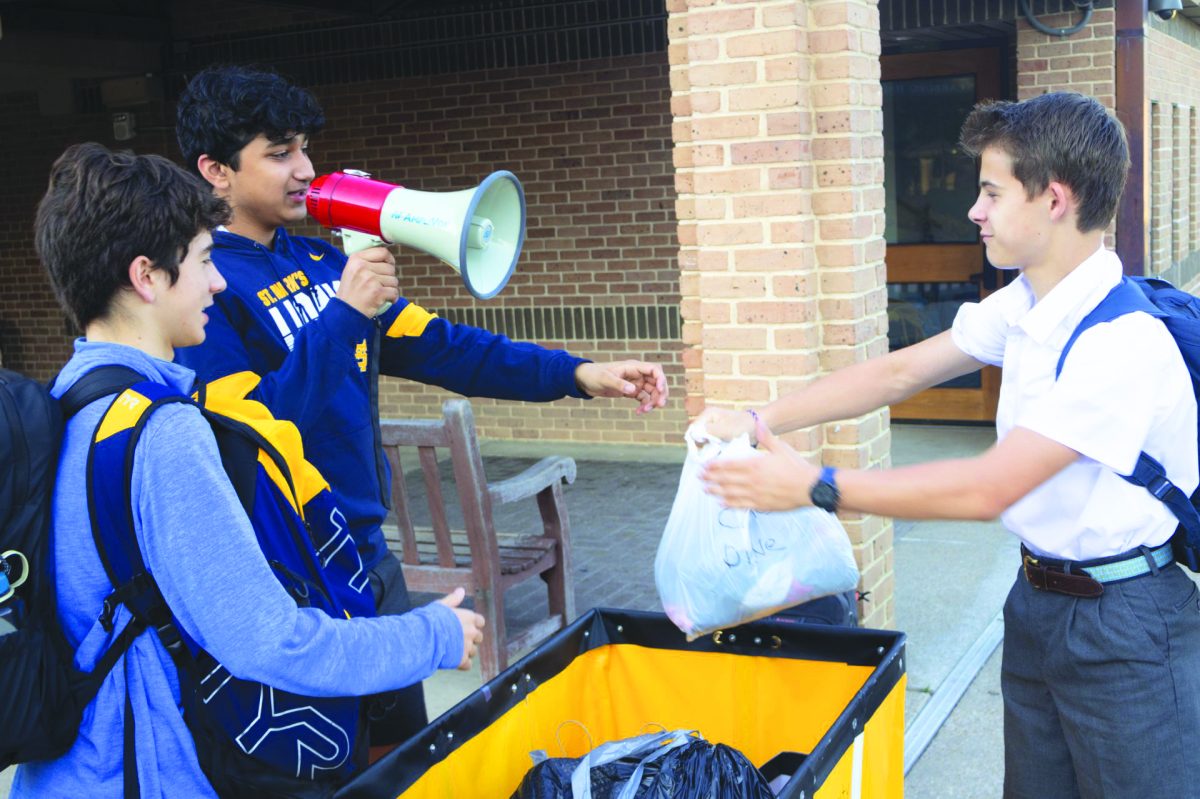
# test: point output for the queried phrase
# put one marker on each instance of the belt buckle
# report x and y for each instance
(1028, 560)
(1049, 578)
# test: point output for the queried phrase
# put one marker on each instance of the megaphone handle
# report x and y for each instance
(354, 241)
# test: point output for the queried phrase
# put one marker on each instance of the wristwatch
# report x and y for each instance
(824, 493)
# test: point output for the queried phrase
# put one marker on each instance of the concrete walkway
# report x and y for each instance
(951, 580)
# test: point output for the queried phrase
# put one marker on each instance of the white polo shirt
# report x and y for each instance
(1123, 389)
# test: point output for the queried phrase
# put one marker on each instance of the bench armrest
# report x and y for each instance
(537, 477)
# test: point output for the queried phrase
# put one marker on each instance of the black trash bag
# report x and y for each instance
(551, 779)
(695, 769)
(701, 770)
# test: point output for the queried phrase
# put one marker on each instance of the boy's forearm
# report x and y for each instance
(478, 363)
(844, 394)
(869, 385)
(978, 488)
(949, 489)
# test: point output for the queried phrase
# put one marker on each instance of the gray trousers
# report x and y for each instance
(1102, 696)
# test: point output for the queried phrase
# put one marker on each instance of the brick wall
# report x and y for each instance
(1083, 62)
(778, 154)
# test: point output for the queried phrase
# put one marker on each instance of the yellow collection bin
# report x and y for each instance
(833, 695)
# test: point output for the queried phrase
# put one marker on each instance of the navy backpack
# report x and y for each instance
(45, 695)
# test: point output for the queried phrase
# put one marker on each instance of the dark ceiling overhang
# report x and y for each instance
(148, 20)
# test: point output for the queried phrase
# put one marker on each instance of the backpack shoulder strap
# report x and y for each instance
(99, 382)
(1126, 297)
(1129, 296)
(109, 476)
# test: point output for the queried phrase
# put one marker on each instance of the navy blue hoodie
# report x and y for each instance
(320, 361)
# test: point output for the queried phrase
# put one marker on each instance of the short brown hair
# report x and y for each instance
(103, 209)
(1061, 136)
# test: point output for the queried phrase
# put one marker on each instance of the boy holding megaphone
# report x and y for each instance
(303, 315)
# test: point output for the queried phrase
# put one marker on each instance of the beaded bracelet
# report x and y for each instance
(754, 415)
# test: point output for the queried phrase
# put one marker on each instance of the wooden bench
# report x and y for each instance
(438, 559)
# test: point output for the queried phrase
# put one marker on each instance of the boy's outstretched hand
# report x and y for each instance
(472, 625)
(779, 480)
(638, 380)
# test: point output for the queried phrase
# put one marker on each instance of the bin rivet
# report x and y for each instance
(528, 678)
(514, 688)
(802, 795)
(620, 628)
(854, 724)
(449, 736)
(879, 650)
(433, 747)
(587, 633)
(732, 638)
(757, 640)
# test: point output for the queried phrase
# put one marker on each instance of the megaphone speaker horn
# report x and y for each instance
(479, 232)
(492, 240)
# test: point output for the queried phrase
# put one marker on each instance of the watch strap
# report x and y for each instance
(824, 493)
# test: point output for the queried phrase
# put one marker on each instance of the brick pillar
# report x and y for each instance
(779, 171)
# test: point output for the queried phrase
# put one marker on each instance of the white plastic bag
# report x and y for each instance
(718, 567)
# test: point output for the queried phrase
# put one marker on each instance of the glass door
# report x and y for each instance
(935, 261)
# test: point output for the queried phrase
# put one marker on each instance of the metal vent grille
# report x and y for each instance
(643, 322)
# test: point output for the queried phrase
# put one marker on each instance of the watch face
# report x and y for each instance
(825, 496)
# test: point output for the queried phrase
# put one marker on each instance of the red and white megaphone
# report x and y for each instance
(478, 232)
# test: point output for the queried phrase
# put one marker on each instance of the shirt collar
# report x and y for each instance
(1061, 310)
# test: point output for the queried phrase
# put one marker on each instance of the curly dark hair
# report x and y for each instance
(103, 209)
(224, 108)
(1060, 136)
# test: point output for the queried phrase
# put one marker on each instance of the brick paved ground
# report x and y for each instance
(617, 512)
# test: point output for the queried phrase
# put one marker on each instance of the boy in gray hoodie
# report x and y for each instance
(126, 240)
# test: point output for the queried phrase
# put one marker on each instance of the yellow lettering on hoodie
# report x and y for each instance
(360, 355)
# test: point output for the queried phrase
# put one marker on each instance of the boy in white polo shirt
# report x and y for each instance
(1101, 664)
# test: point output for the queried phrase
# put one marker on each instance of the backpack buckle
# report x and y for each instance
(109, 610)
(124, 595)
(169, 637)
(1160, 487)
